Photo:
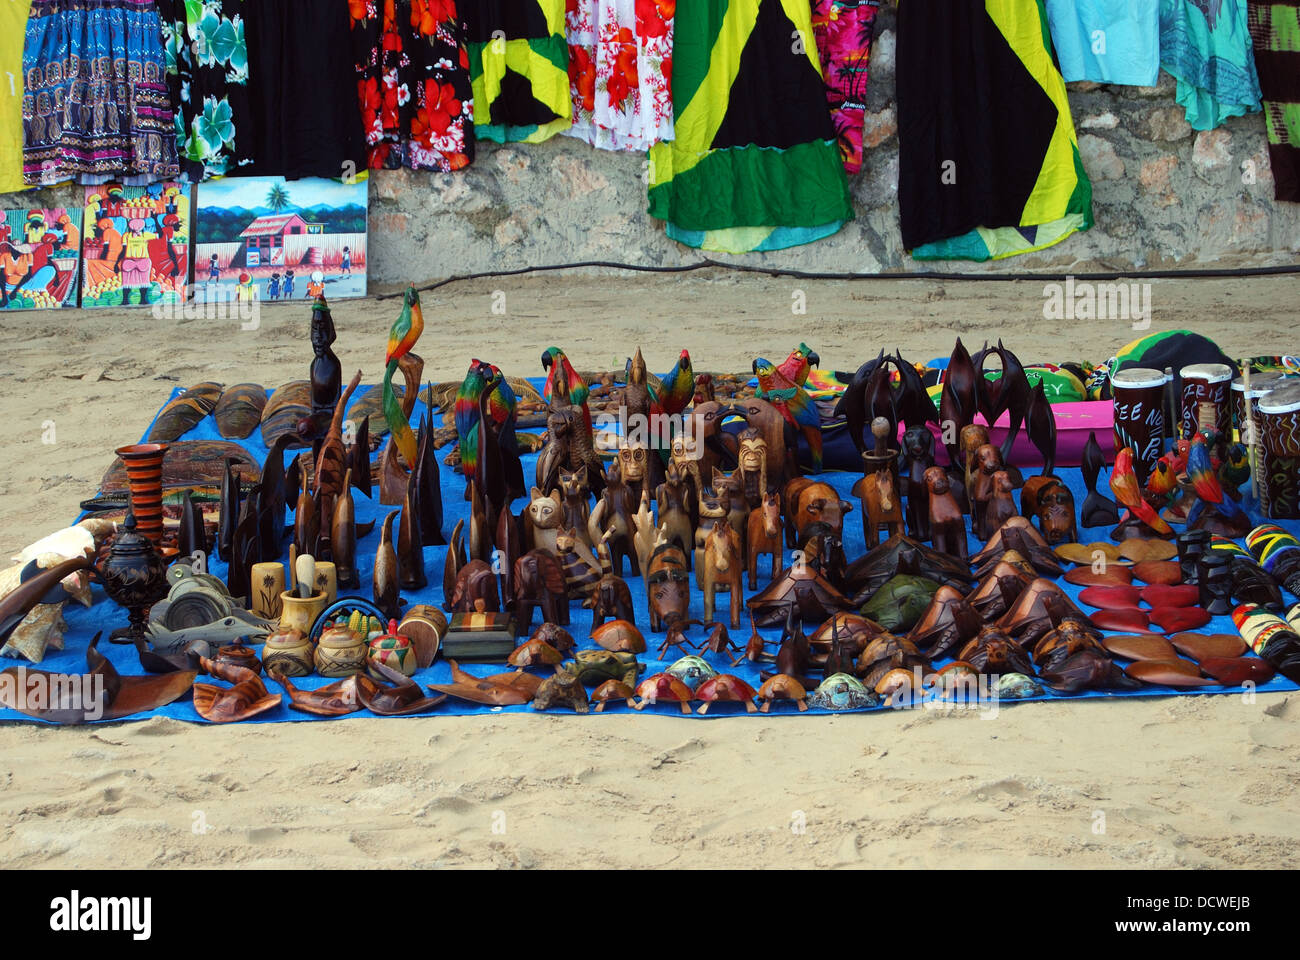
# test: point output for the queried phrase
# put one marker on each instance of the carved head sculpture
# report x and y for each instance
(1056, 513)
(752, 453)
(633, 460)
(573, 483)
(322, 330)
(936, 481)
(685, 448)
(989, 459)
(918, 444)
(545, 512)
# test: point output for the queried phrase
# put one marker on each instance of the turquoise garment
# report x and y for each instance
(1107, 41)
(1206, 45)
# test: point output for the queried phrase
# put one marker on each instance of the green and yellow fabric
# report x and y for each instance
(519, 69)
(989, 163)
(13, 31)
(754, 164)
(1275, 33)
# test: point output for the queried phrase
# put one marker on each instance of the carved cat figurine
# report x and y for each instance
(574, 495)
(545, 520)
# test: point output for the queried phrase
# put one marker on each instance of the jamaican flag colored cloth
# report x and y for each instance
(1275, 32)
(754, 163)
(519, 69)
(988, 159)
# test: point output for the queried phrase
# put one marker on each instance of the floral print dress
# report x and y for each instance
(207, 67)
(413, 83)
(620, 71)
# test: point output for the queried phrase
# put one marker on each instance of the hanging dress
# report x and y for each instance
(1107, 41)
(1275, 32)
(303, 111)
(753, 164)
(207, 67)
(1206, 45)
(412, 68)
(620, 72)
(519, 65)
(988, 161)
(13, 25)
(95, 102)
(844, 30)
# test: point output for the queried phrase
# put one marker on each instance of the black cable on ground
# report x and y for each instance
(1090, 277)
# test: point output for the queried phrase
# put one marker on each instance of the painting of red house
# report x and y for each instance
(280, 240)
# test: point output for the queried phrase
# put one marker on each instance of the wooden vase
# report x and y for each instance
(267, 583)
(299, 613)
(144, 476)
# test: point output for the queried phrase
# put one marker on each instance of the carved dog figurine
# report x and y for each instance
(1001, 506)
(539, 581)
(723, 570)
(988, 461)
(947, 524)
(881, 506)
(914, 459)
(764, 536)
(1055, 511)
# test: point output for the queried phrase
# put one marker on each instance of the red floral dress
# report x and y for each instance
(413, 83)
(620, 71)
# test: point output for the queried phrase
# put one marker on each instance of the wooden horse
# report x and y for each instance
(722, 570)
(765, 535)
(882, 508)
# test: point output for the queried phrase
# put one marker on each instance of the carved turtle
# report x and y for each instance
(692, 671)
(842, 691)
(725, 686)
(534, 653)
(888, 652)
(556, 636)
(561, 690)
(1017, 686)
(620, 636)
(782, 687)
(594, 667)
(664, 686)
(958, 679)
(612, 690)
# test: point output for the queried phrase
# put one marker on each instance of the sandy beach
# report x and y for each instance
(1175, 782)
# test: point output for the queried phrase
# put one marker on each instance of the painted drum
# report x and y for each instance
(1279, 434)
(1140, 415)
(1204, 401)
(1245, 402)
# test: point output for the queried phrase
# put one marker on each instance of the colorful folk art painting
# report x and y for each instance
(136, 245)
(40, 251)
(268, 238)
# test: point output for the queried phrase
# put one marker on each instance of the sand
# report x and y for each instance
(1164, 782)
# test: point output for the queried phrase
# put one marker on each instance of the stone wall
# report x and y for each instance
(1164, 196)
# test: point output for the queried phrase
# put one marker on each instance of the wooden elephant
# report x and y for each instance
(476, 589)
(539, 582)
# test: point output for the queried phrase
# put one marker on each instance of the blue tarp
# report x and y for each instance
(105, 615)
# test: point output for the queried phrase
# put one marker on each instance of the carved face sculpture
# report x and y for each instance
(989, 459)
(545, 512)
(685, 447)
(752, 452)
(918, 444)
(1056, 513)
(633, 461)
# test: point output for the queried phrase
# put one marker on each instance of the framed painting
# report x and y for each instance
(274, 239)
(136, 246)
(40, 254)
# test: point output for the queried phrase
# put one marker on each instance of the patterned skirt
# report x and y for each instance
(620, 72)
(95, 97)
(413, 84)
